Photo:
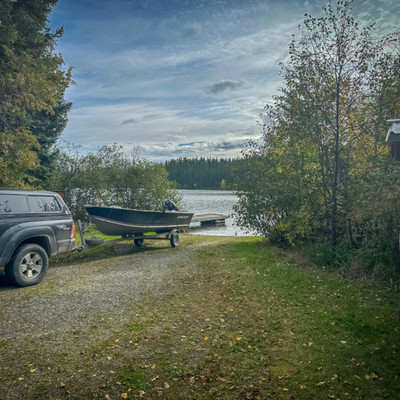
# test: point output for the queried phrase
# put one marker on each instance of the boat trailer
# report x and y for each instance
(172, 236)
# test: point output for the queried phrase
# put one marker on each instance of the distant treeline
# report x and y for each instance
(202, 173)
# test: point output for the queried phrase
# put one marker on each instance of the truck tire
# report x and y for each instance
(28, 265)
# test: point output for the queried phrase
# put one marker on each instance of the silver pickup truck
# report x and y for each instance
(34, 225)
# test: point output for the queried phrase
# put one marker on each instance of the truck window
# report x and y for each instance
(13, 204)
(39, 204)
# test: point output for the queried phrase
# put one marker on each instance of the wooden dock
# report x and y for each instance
(210, 219)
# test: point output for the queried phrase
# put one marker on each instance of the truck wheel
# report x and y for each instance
(28, 265)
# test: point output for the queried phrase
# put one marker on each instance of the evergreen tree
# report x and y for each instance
(202, 173)
(32, 86)
(47, 128)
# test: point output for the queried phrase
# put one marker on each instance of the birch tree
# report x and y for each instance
(325, 131)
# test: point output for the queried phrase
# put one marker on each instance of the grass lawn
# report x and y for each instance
(250, 326)
(241, 323)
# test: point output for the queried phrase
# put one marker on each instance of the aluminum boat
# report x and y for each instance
(116, 221)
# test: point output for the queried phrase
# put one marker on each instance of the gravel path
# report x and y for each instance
(73, 297)
(60, 331)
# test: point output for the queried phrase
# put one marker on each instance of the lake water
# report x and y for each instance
(212, 202)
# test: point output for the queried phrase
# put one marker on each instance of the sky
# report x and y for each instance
(181, 78)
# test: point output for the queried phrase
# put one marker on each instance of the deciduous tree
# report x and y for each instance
(112, 177)
(323, 153)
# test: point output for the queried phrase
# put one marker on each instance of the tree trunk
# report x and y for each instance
(336, 167)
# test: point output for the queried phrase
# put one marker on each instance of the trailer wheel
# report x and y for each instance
(28, 265)
(174, 239)
(138, 242)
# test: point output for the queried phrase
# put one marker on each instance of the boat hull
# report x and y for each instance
(124, 221)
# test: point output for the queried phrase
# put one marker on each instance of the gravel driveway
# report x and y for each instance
(52, 331)
(74, 296)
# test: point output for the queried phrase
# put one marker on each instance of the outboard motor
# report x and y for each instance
(170, 206)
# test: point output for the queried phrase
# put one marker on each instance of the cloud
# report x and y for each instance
(180, 78)
(168, 133)
(384, 13)
(176, 94)
(192, 31)
(227, 149)
(129, 121)
(180, 68)
(223, 86)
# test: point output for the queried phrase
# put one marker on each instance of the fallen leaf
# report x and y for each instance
(62, 385)
(303, 386)
(124, 395)
(167, 385)
(192, 380)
